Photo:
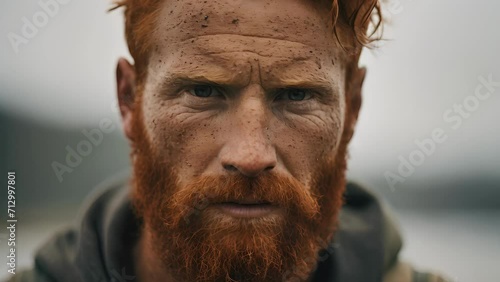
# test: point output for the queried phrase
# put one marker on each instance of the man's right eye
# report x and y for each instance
(204, 91)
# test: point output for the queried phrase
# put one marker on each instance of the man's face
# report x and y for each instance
(244, 87)
(238, 136)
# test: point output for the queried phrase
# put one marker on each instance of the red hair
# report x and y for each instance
(352, 16)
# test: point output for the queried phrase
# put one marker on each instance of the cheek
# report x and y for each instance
(186, 138)
(306, 140)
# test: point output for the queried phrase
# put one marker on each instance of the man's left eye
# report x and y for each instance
(294, 94)
(204, 91)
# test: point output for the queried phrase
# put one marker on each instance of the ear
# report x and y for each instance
(125, 86)
(354, 82)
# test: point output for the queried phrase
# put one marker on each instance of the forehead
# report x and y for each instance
(225, 32)
(294, 20)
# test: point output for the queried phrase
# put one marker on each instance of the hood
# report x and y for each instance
(100, 247)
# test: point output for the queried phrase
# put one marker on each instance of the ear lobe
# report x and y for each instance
(125, 85)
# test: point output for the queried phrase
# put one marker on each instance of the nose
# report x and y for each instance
(248, 149)
(250, 162)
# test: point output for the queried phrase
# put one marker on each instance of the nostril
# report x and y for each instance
(269, 168)
(230, 167)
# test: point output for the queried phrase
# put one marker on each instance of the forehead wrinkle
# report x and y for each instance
(263, 46)
(249, 36)
(253, 52)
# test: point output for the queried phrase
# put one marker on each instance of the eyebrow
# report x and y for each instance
(321, 85)
(219, 76)
(216, 76)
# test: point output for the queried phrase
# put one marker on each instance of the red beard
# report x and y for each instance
(195, 244)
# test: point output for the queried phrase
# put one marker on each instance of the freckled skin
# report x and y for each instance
(274, 47)
(250, 51)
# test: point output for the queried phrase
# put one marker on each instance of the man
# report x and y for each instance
(239, 114)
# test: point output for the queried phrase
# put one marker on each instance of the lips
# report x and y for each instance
(246, 208)
(247, 202)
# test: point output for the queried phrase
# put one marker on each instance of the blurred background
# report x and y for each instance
(57, 82)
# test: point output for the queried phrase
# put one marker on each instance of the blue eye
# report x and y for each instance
(296, 94)
(202, 91)
(293, 94)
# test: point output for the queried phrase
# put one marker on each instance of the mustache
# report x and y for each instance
(282, 191)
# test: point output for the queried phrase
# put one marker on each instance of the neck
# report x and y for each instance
(148, 266)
